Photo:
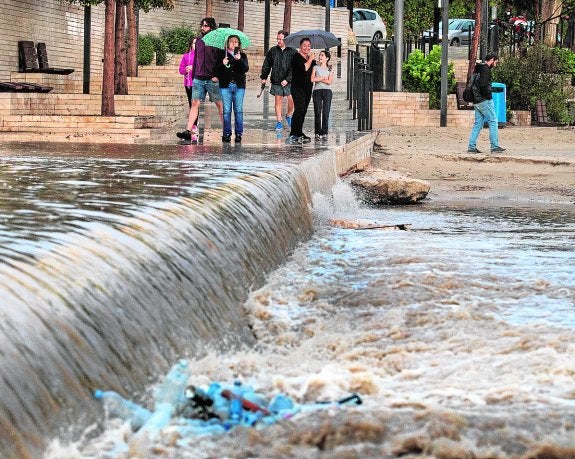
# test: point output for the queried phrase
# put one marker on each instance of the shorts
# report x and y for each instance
(201, 87)
(279, 90)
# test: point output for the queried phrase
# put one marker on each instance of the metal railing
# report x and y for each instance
(360, 90)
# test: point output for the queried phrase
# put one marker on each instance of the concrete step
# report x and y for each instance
(53, 123)
(137, 136)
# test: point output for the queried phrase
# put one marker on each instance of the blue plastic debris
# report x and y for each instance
(193, 411)
(281, 403)
(169, 398)
(117, 406)
(236, 409)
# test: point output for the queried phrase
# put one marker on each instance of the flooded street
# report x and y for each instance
(458, 334)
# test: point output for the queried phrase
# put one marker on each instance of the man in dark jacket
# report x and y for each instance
(205, 81)
(278, 60)
(484, 106)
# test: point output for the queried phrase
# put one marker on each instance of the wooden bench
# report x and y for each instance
(35, 60)
(16, 86)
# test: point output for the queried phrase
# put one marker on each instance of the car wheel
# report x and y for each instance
(377, 36)
(455, 42)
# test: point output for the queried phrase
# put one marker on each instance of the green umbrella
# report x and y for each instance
(219, 37)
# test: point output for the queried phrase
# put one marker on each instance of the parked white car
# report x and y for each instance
(368, 25)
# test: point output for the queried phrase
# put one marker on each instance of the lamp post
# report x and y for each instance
(444, 4)
(87, 48)
(266, 26)
(398, 40)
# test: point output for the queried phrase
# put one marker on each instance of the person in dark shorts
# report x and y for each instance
(278, 62)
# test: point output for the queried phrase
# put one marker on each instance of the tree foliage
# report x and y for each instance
(422, 73)
(543, 73)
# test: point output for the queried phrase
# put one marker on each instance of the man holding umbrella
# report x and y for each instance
(204, 81)
(278, 61)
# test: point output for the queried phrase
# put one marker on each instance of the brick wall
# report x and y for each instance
(58, 24)
(61, 26)
(411, 109)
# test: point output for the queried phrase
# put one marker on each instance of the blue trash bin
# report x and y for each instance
(499, 94)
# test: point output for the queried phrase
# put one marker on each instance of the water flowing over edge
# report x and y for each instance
(114, 307)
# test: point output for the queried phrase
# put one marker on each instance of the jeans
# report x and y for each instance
(485, 113)
(233, 97)
(301, 97)
(321, 108)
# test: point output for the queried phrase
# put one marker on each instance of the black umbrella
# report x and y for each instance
(320, 39)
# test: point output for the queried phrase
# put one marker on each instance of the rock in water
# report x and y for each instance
(377, 186)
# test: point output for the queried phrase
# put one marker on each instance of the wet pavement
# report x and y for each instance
(260, 142)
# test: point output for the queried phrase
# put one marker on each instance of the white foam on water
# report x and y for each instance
(429, 326)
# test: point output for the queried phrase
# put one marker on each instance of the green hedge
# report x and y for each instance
(422, 73)
(542, 73)
(173, 41)
(145, 50)
(177, 39)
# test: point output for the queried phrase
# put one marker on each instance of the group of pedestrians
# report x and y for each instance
(221, 74)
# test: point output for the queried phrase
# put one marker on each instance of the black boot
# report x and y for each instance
(185, 135)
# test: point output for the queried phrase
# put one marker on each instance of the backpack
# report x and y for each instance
(468, 91)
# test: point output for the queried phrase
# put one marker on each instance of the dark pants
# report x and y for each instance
(301, 97)
(321, 108)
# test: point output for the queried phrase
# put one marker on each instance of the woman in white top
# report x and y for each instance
(322, 76)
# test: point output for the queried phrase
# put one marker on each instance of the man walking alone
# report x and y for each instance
(484, 106)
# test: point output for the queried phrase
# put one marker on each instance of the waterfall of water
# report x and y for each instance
(110, 300)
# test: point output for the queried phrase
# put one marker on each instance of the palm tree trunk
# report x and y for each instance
(287, 15)
(476, 37)
(108, 73)
(209, 8)
(120, 62)
(132, 38)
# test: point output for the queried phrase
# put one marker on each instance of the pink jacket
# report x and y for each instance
(187, 59)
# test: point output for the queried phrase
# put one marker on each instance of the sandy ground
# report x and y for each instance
(538, 166)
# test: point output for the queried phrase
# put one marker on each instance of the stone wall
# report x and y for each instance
(412, 109)
(61, 26)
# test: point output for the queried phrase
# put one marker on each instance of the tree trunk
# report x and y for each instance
(108, 73)
(120, 62)
(209, 8)
(287, 15)
(475, 41)
(550, 14)
(132, 38)
(241, 7)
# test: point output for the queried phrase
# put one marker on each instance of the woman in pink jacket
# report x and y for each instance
(187, 69)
